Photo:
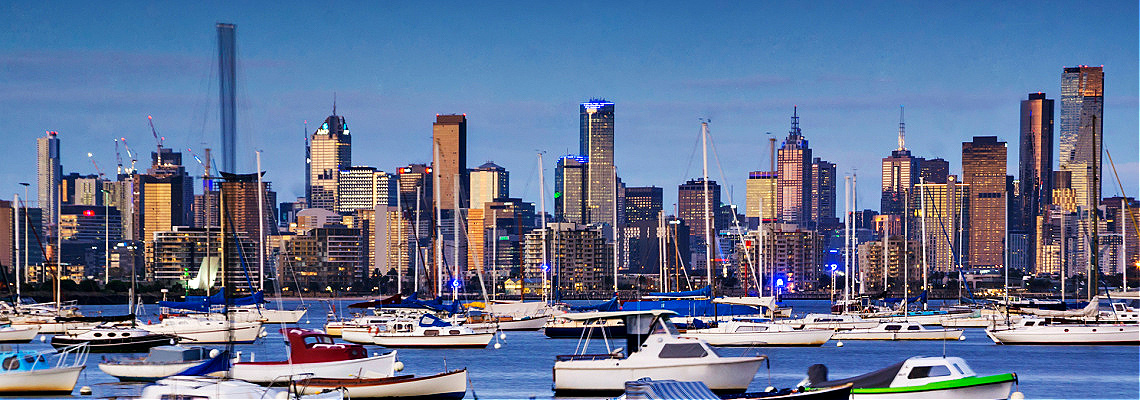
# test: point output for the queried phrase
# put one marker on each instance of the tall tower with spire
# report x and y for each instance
(900, 174)
(794, 176)
(329, 152)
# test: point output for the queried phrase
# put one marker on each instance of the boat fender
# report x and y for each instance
(86, 390)
(839, 344)
(498, 345)
(1017, 396)
(502, 335)
(214, 353)
(398, 366)
(962, 338)
(43, 338)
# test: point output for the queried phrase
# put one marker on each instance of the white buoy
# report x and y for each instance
(214, 353)
(398, 366)
(503, 335)
(962, 338)
(306, 322)
(498, 345)
(1017, 396)
(263, 334)
(86, 390)
(839, 344)
(43, 338)
(769, 389)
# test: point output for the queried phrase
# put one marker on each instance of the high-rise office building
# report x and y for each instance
(167, 195)
(900, 174)
(943, 208)
(984, 169)
(760, 192)
(934, 170)
(580, 257)
(489, 182)
(642, 203)
(364, 188)
(793, 186)
(329, 152)
(570, 189)
(597, 145)
(449, 134)
(49, 176)
(823, 195)
(1035, 165)
(1082, 115)
(239, 201)
(178, 253)
(691, 208)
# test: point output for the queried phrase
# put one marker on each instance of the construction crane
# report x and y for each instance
(97, 169)
(118, 160)
(207, 181)
(157, 139)
(129, 154)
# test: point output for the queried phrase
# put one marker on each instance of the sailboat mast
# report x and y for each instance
(260, 227)
(709, 255)
(438, 222)
(1005, 249)
(925, 267)
(16, 238)
(399, 240)
(59, 252)
(418, 258)
(905, 255)
(494, 252)
(617, 233)
(542, 215)
(455, 241)
(846, 243)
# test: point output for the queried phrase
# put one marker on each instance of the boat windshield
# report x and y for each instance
(311, 340)
(665, 326)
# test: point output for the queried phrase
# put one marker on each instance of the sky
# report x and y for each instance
(94, 71)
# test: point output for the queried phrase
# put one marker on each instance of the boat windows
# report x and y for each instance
(125, 334)
(892, 327)
(431, 332)
(928, 372)
(913, 328)
(453, 332)
(110, 334)
(682, 350)
(664, 326)
(751, 328)
(311, 340)
(97, 334)
(12, 363)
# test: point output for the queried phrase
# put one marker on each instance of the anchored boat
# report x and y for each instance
(919, 378)
(899, 331)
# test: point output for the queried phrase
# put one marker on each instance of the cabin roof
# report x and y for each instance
(615, 314)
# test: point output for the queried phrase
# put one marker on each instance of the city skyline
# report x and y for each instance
(94, 84)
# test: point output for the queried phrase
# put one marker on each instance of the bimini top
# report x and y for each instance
(615, 314)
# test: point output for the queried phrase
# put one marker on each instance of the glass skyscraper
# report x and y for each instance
(597, 145)
(1082, 112)
(330, 151)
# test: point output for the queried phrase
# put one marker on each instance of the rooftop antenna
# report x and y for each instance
(902, 130)
(334, 103)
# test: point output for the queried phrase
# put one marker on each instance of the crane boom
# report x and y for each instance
(157, 139)
(97, 169)
(118, 160)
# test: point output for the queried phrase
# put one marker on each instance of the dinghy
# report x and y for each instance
(161, 362)
(32, 373)
(313, 354)
(919, 378)
(447, 385)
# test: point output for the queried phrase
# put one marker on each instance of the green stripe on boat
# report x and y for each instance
(950, 384)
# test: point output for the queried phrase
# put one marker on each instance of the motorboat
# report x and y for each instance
(1040, 331)
(499, 315)
(18, 334)
(919, 378)
(830, 321)
(565, 328)
(759, 333)
(213, 388)
(428, 331)
(899, 331)
(930, 317)
(108, 338)
(274, 316)
(668, 389)
(446, 385)
(313, 354)
(207, 330)
(978, 320)
(656, 350)
(160, 362)
(32, 373)
(361, 323)
(490, 323)
(359, 329)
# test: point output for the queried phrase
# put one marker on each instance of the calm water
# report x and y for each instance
(522, 367)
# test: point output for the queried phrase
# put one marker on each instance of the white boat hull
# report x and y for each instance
(381, 366)
(530, 324)
(995, 391)
(947, 334)
(282, 316)
(793, 338)
(611, 375)
(145, 372)
(984, 321)
(445, 385)
(356, 334)
(476, 340)
(918, 319)
(43, 381)
(19, 334)
(213, 332)
(1068, 334)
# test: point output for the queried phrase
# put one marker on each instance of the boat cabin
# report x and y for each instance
(900, 326)
(640, 326)
(913, 371)
(13, 361)
(308, 346)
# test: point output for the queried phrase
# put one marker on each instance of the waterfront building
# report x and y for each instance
(1121, 217)
(984, 169)
(505, 225)
(329, 151)
(878, 276)
(691, 208)
(578, 256)
(596, 143)
(642, 203)
(1057, 241)
(84, 231)
(392, 233)
(319, 259)
(239, 203)
(489, 182)
(570, 189)
(793, 185)
(49, 177)
(793, 258)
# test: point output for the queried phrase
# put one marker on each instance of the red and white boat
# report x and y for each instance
(313, 354)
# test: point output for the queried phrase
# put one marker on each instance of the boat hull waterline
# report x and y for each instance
(279, 371)
(447, 385)
(44, 381)
(605, 376)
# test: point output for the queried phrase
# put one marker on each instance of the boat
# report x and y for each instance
(656, 350)
(829, 321)
(428, 331)
(213, 388)
(919, 378)
(207, 330)
(31, 373)
(899, 331)
(357, 328)
(1040, 331)
(18, 334)
(108, 338)
(490, 323)
(446, 385)
(759, 333)
(509, 315)
(978, 320)
(273, 316)
(668, 389)
(313, 353)
(565, 328)
(160, 362)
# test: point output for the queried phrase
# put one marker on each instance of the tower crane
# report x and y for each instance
(157, 139)
(118, 160)
(129, 154)
(97, 169)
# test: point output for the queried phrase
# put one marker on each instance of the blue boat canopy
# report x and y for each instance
(702, 292)
(609, 305)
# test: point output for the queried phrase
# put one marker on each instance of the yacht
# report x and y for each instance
(428, 331)
(1040, 331)
(830, 321)
(313, 354)
(160, 362)
(656, 350)
(32, 373)
(207, 330)
(899, 331)
(759, 333)
(109, 338)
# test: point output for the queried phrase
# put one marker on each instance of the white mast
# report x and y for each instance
(260, 227)
(419, 254)
(16, 236)
(455, 240)
(542, 214)
(616, 232)
(709, 255)
(1005, 250)
(59, 253)
(438, 223)
(494, 252)
(760, 252)
(905, 256)
(846, 243)
(661, 240)
(1124, 242)
(925, 267)
(854, 236)
(399, 239)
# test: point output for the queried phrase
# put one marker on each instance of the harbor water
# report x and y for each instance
(521, 368)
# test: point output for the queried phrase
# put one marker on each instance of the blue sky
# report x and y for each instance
(94, 71)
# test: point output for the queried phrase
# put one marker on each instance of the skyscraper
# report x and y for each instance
(983, 168)
(1035, 165)
(823, 194)
(597, 145)
(570, 189)
(934, 170)
(49, 174)
(642, 203)
(691, 209)
(760, 192)
(1082, 114)
(900, 174)
(364, 188)
(793, 198)
(945, 215)
(449, 132)
(330, 151)
(489, 182)
(239, 194)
